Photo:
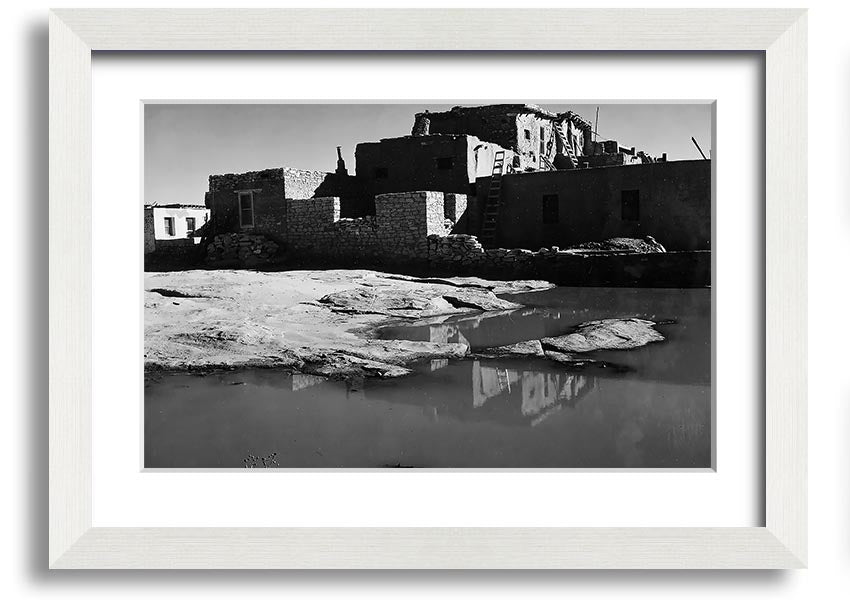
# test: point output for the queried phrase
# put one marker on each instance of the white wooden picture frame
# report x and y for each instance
(76, 33)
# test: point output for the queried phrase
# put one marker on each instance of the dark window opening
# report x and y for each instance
(382, 172)
(246, 209)
(169, 225)
(445, 162)
(550, 209)
(527, 133)
(630, 201)
(190, 226)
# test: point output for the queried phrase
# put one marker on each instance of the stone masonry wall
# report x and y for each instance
(299, 183)
(246, 249)
(406, 219)
(398, 232)
(315, 229)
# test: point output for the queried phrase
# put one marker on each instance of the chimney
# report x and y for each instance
(340, 163)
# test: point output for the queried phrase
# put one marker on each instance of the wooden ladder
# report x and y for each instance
(546, 163)
(494, 201)
(568, 147)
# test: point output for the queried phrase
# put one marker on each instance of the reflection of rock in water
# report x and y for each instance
(302, 381)
(540, 392)
(355, 389)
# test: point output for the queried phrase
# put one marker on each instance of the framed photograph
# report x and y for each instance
(403, 295)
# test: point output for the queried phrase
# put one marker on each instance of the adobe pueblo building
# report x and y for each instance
(502, 189)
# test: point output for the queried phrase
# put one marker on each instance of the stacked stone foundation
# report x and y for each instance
(242, 249)
(412, 231)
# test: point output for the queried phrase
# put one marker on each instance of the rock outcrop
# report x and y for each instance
(527, 349)
(314, 322)
(607, 334)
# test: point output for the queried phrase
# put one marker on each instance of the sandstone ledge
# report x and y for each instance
(316, 322)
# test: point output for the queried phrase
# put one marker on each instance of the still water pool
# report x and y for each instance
(654, 411)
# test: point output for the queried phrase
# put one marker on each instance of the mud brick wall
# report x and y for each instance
(505, 125)
(495, 123)
(528, 140)
(674, 205)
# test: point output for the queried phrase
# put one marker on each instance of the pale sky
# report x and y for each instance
(185, 143)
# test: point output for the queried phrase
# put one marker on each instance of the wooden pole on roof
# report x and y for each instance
(596, 126)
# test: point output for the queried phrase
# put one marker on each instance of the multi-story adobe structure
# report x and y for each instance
(525, 178)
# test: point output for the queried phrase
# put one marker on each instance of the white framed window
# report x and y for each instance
(246, 209)
(169, 226)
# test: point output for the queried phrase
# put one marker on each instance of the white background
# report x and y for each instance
(24, 435)
(124, 496)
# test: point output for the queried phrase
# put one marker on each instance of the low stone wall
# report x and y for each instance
(464, 255)
(397, 233)
(467, 251)
(315, 230)
(244, 249)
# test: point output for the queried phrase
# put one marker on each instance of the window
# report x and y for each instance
(382, 172)
(630, 202)
(445, 162)
(169, 226)
(190, 226)
(550, 209)
(527, 133)
(246, 209)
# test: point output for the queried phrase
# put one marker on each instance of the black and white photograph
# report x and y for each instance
(521, 284)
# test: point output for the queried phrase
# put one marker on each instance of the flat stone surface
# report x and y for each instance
(497, 287)
(573, 360)
(607, 334)
(315, 322)
(528, 348)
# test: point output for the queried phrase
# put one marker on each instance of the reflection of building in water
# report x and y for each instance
(445, 333)
(488, 382)
(439, 363)
(538, 392)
